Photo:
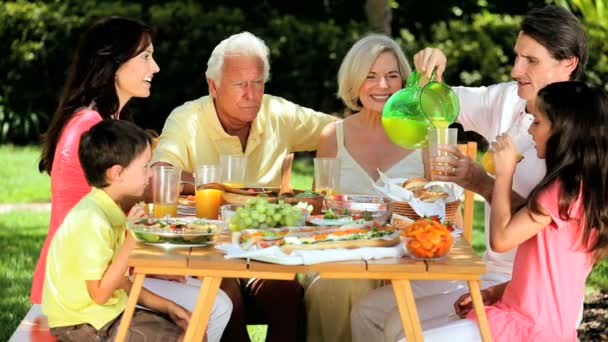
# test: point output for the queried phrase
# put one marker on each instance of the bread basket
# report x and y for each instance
(404, 208)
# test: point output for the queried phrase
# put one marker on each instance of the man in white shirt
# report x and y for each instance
(551, 47)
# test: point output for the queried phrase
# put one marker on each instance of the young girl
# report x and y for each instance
(560, 233)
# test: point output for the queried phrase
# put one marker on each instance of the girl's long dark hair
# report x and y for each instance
(103, 48)
(577, 156)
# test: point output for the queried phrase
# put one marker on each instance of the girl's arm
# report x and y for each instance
(506, 230)
(464, 304)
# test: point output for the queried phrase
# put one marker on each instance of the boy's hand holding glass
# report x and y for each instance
(137, 212)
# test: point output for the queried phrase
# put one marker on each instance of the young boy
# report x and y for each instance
(86, 285)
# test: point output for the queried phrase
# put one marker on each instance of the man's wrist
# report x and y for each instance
(484, 185)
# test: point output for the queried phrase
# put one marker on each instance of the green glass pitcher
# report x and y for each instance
(411, 111)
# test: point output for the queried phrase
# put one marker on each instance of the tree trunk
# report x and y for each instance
(379, 15)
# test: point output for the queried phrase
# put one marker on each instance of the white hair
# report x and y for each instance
(240, 44)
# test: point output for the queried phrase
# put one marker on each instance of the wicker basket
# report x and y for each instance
(403, 208)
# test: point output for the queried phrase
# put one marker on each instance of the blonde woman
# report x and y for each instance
(373, 69)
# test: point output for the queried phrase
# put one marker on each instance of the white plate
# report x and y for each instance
(320, 221)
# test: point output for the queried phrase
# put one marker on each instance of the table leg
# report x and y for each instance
(202, 310)
(480, 311)
(407, 310)
(138, 282)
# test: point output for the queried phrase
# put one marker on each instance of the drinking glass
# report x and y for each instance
(165, 190)
(207, 200)
(440, 136)
(327, 175)
(519, 136)
(233, 169)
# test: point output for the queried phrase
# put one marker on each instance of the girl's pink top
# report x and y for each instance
(543, 300)
(68, 185)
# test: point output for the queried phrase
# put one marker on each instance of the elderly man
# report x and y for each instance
(551, 47)
(239, 119)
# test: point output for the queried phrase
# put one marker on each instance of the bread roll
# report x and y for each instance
(413, 184)
(432, 196)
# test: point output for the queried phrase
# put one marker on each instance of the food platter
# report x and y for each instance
(320, 220)
(176, 232)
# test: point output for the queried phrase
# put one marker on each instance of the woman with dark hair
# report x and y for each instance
(113, 63)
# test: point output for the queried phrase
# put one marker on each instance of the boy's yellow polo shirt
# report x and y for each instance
(193, 135)
(82, 249)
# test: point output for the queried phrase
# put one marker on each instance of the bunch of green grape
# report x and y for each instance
(259, 213)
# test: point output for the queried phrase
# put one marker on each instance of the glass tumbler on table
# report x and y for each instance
(165, 190)
(327, 175)
(207, 200)
(233, 169)
(440, 136)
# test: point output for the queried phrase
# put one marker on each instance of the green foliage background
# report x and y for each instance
(307, 40)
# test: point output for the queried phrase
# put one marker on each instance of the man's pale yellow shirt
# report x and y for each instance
(193, 135)
(82, 249)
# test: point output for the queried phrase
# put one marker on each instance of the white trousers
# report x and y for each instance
(185, 294)
(462, 330)
(376, 318)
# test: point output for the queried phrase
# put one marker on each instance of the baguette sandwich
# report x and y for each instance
(318, 238)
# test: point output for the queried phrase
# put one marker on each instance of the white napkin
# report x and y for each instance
(342, 254)
(275, 255)
(392, 189)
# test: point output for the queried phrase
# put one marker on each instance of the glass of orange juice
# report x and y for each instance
(440, 136)
(207, 200)
(165, 190)
(327, 175)
(521, 139)
(233, 169)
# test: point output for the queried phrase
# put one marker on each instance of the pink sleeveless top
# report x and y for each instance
(68, 185)
(543, 300)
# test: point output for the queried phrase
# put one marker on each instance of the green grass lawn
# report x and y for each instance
(21, 236)
(22, 233)
(20, 181)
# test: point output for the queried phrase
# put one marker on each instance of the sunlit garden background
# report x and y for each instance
(307, 40)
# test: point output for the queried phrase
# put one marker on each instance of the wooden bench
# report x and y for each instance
(33, 327)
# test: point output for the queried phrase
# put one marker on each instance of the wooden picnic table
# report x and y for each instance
(209, 264)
